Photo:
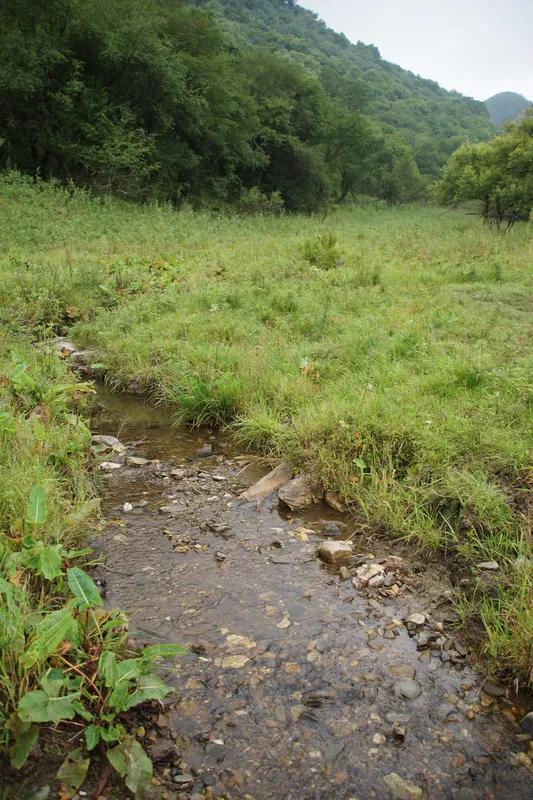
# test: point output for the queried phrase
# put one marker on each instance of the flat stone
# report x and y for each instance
(493, 689)
(403, 671)
(275, 479)
(137, 461)
(416, 619)
(331, 529)
(302, 492)
(334, 552)
(108, 443)
(204, 451)
(109, 466)
(488, 565)
(407, 689)
(400, 789)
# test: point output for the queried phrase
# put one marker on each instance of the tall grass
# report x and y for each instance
(398, 369)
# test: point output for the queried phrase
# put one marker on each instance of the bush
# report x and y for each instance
(254, 201)
(322, 252)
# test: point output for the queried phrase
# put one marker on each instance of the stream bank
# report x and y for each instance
(298, 685)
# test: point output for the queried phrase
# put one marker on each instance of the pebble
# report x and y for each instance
(400, 789)
(365, 573)
(493, 689)
(416, 619)
(127, 507)
(137, 461)
(489, 565)
(407, 689)
(109, 466)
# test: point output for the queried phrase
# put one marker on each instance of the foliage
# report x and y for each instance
(431, 121)
(322, 251)
(498, 173)
(402, 380)
(150, 99)
(62, 657)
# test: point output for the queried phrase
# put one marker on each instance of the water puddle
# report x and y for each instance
(299, 685)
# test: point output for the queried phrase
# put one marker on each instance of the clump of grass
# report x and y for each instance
(402, 380)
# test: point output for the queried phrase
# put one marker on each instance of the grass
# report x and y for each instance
(385, 349)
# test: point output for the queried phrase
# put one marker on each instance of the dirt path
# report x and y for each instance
(299, 686)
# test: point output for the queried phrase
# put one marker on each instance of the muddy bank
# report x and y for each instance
(299, 685)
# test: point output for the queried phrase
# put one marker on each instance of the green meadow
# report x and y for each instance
(385, 349)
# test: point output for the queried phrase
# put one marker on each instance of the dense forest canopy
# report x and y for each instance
(153, 99)
(432, 120)
(242, 101)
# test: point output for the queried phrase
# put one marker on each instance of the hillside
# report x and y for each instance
(434, 121)
(506, 106)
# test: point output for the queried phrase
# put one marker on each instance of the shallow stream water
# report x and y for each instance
(298, 685)
(294, 686)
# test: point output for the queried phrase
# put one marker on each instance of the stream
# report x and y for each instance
(298, 685)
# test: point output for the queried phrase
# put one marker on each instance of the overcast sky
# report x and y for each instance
(478, 47)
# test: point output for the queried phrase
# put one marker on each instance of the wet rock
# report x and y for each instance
(400, 789)
(365, 573)
(407, 689)
(110, 443)
(302, 492)
(334, 552)
(334, 501)
(416, 619)
(275, 479)
(204, 451)
(235, 662)
(345, 573)
(376, 582)
(527, 723)
(137, 461)
(488, 565)
(110, 466)
(331, 529)
(403, 671)
(163, 750)
(493, 689)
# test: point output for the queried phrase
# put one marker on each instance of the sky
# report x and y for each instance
(477, 47)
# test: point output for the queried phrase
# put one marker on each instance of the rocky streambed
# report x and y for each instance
(305, 679)
(324, 663)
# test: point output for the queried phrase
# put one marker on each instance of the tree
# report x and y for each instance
(498, 173)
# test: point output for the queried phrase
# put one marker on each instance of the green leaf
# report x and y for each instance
(112, 734)
(53, 629)
(73, 770)
(131, 762)
(39, 707)
(83, 588)
(107, 667)
(25, 736)
(164, 651)
(50, 561)
(37, 512)
(92, 736)
(119, 695)
(53, 682)
(149, 687)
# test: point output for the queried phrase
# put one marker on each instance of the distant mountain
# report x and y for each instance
(506, 106)
(432, 120)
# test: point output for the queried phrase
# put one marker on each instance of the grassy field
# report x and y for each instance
(390, 356)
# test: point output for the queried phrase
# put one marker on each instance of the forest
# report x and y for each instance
(160, 100)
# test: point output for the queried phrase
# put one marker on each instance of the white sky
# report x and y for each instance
(478, 47)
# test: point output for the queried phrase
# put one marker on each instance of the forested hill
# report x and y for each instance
(434, 121)
(506, 106)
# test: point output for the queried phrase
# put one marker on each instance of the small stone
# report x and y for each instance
(365, 573)
(493, 689)
(400, 789)
(331, 529)
(234, 662)
(407, 689)
(345, 573)
(268, 484)
(416, 619)
(137, 461)
(108, 443)
(333, 552)
(236, 641)
(527, 723)
(127, 507)
(204, 451)
(489, 565)
(376, 582)
(378, 738)
(177, 474)
(109, 466)
(220, 556)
